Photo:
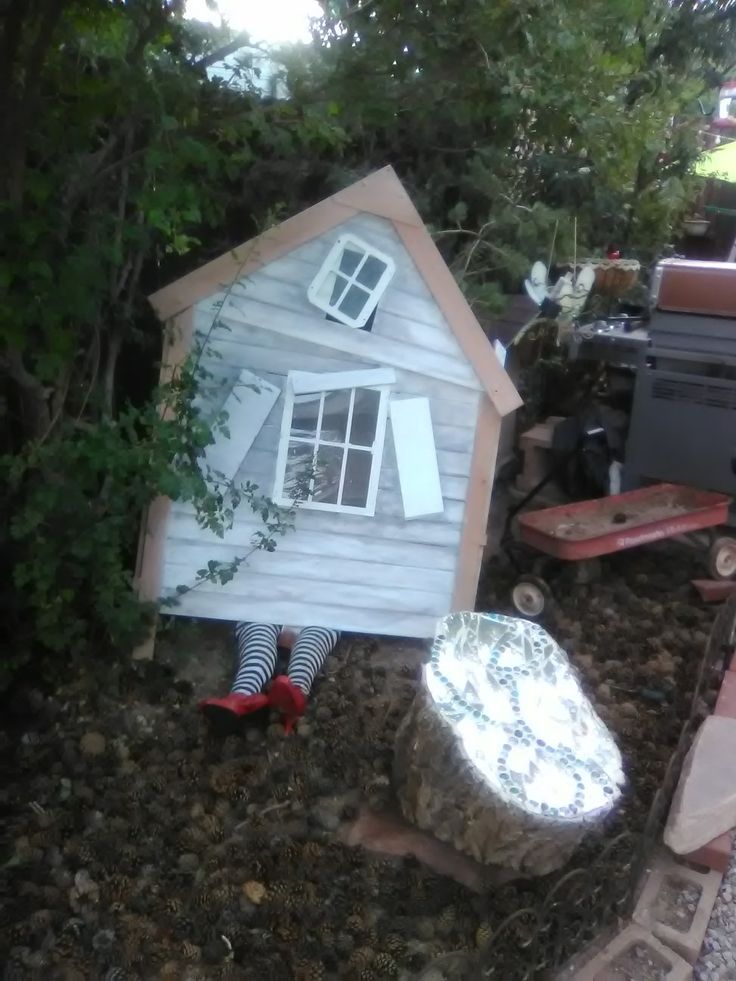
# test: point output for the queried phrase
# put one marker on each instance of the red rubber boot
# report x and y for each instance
(227, 713)
(285, 697)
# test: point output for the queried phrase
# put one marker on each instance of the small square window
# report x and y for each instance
(331, 449)
(351, 281)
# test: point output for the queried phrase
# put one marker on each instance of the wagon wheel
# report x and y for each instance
(530, 596)
(722, 558)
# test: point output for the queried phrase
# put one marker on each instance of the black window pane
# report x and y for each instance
(353, 302)
(335, 416)
(365, 416)
(305, 414)
(357, 478)
(299, 470)
(337, 290)
(327, 474)
(349, 261)
(371, 271)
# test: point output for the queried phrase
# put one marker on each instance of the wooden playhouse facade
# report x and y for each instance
(356, 379)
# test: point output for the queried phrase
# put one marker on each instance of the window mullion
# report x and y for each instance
(345, 448)
(348, 284)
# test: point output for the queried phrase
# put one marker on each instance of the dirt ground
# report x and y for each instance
(140, 846)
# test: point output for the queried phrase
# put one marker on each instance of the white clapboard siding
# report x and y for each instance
(293, 271)
(290, 589)
(376, 231)
(399, 314)
(308, 382)
(382, 574)
(277, 360)
(416, 457)
(327, 544)
(357, 343)
(247, 406)
(185, 560)
(369, 620)
(219, 362)
(183, 524)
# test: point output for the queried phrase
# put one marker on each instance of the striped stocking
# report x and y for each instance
(308, 655)
(256, 656)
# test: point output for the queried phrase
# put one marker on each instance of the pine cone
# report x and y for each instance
(287, 931)
(118, 888)
(447, 918)
(305, 970)
(192, 838)
(395, 945)
(212, 827)
(361, 958)
(385, 966)
(191, 952)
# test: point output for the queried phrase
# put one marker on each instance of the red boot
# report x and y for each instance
(285, 697)
(228, 712)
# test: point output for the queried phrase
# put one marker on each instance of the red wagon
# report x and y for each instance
(586, 530)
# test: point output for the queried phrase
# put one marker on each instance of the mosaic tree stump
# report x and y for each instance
(501, 754)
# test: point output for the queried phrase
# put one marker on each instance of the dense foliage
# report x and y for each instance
(123, 166)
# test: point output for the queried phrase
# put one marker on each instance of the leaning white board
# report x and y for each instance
(247, 406)
(416, 457)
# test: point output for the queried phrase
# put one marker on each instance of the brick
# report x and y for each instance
(676, 903)
(704, 804)
(726, 704)
(535, 444)
(715, 855)
(541, 434)
(633, 954)
(714, 590)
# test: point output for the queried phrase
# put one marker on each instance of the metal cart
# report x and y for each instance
(584, 531)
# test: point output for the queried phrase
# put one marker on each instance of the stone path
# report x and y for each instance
(718, 956)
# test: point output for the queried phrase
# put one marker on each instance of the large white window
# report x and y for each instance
(351, 281)
(332, 440)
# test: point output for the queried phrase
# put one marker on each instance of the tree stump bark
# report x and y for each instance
(470, 803)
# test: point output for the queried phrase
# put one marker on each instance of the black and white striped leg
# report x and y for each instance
(257, 653)
(309, 654)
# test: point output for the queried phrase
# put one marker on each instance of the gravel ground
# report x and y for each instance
(718, 955)
(136, 842)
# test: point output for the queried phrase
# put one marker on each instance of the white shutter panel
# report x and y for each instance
(416, 457)
(247, 407)
(309, 382)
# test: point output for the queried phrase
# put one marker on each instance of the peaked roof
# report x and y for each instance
(381, 194)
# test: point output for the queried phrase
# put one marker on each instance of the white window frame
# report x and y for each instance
(331, 266)
(378, 380)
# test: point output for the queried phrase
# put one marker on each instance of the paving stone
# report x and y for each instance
(634, 955)
(704, 804)
(714, 590)
(726, 704)
(676, 903)
(715, 855)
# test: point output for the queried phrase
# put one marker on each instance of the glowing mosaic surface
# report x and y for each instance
(508, 691)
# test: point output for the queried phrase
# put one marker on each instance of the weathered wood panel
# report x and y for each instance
(299, 594)
(294, 271)
(356, 343)
(390, 623)
(455, 404)
(353, 571)
(443, 534)
(330, 544)
(382, 574)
